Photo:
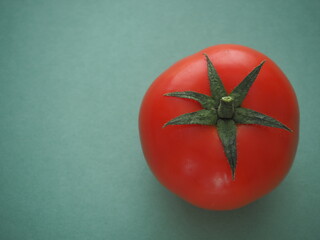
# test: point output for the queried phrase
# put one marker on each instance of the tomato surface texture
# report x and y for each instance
(190, 159)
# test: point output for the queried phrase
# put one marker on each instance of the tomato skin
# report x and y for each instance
(189, 159)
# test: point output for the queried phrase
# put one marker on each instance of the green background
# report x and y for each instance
(73, 74)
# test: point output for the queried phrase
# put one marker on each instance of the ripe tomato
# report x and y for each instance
(192, 159)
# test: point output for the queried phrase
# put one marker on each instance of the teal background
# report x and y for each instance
(72, 77)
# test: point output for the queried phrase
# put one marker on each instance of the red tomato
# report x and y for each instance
(190, 160)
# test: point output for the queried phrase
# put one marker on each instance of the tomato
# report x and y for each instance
(213, 158)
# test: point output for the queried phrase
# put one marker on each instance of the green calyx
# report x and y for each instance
(224, 111)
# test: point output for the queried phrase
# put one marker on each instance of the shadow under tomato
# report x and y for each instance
(184, 219)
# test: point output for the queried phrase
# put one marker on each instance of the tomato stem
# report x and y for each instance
(226, 107)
